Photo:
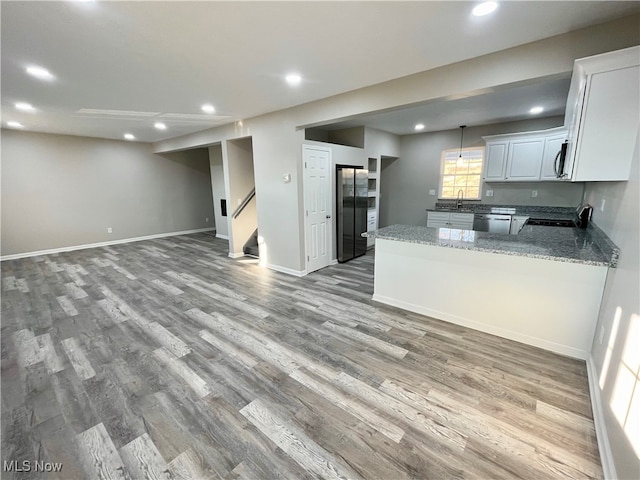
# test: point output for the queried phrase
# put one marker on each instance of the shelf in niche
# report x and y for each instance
(373, 166)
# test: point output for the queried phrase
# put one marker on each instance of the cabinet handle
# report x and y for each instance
(555, 164)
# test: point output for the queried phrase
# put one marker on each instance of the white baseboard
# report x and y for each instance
(288, 271)
(604, 447)
(236, 255)
(100, 244)
(224, 237)
(482, 327)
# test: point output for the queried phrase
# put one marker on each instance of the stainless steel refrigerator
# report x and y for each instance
(352, 203)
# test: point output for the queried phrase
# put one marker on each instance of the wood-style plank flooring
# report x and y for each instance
(166, 359)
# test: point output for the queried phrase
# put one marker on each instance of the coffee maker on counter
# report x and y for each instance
(584, 213)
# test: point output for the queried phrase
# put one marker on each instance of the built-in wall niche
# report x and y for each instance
(351, 137)
(372, 167)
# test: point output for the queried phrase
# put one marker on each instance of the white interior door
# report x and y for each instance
(317, 204)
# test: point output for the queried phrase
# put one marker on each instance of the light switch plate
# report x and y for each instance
(432, 192)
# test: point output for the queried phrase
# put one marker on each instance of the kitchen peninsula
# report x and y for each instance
(542, 287)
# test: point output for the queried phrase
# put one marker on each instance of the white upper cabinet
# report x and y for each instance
(522, 157)
(496, 161)
(603, 116)
(550, 160)
(525, 159)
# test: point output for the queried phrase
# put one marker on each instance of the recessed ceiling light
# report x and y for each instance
(208, 108)
(160, 126)
(293, 79)
(39, 72)
(129, 136)
(25, 107)
(419, 126)
(536, 110)
(484, 8)
(13, 124)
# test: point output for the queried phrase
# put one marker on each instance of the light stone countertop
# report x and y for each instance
(590, 246)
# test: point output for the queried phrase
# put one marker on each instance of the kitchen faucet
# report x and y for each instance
(459, 199)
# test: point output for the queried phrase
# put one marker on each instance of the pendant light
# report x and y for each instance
(462, 127)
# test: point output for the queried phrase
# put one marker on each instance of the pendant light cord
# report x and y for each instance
(462, 127)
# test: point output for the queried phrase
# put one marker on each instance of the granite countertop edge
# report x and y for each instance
(605, 252)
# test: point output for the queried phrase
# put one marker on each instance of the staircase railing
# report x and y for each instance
(244, 203)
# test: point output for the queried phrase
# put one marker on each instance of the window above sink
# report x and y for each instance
(461, 173)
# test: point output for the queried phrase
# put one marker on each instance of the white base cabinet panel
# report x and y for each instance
(548, 304)
(463, 221)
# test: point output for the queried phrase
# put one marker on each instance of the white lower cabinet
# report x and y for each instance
(463, 221)
(517, 222)
(372, 225)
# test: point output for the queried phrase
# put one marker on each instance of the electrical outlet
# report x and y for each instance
(206, 219)
(432, 192)
(601, 337)
(604, 200)
(109, 230)
(534, 193)
(489, 193)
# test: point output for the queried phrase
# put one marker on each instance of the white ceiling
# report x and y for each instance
(504, 104)
(121, 66)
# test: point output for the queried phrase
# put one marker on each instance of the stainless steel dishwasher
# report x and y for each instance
(492, 222)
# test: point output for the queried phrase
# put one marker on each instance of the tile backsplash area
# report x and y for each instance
(558, 194)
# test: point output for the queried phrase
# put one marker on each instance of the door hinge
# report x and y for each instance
(305, 164)
(307, 212)
(307, 258)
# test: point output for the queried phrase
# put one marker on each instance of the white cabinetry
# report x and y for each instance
(517, 222)
(372, 225)
(603, 116)
(463, 221)
(522, 157)
(496, 161)
(525, 159)
(552, 145)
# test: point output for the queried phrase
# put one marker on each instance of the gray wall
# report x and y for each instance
(405, 182)
(239, 164)
(378, 143)
(616, 358)
(63, 191)
(218, 189)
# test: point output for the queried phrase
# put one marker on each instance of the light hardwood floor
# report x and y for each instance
(166, 359)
